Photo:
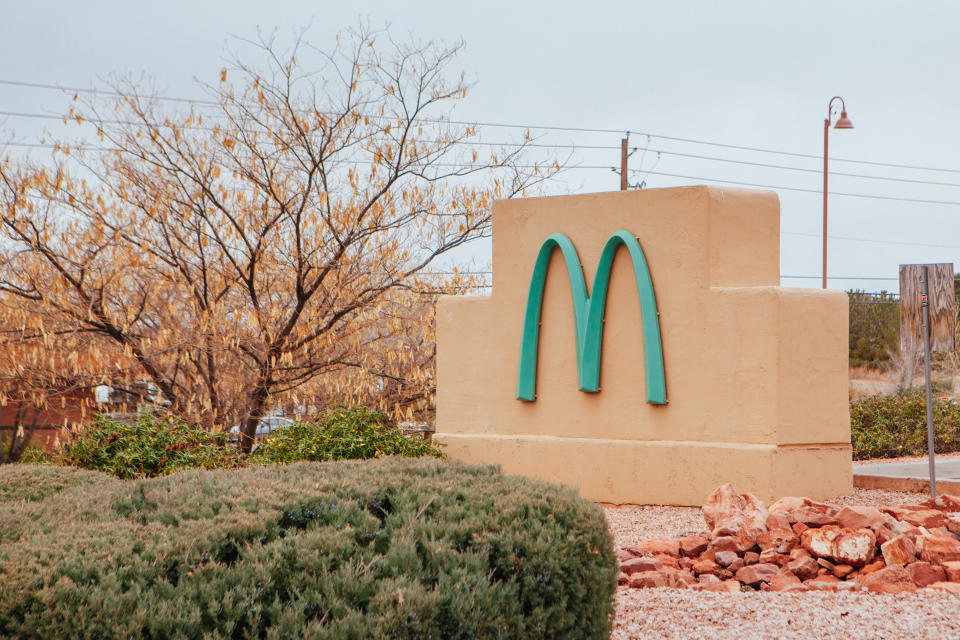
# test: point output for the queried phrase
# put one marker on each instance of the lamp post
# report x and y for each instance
(843, 123)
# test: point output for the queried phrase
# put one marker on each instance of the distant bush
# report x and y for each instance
(896, 425)
(35, 455)
(389, 548)
(874, 328)
(151, 446)
(341, 434)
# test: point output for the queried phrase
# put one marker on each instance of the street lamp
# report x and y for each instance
(843, 123)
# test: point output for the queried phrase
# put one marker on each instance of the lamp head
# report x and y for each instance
(844, 122)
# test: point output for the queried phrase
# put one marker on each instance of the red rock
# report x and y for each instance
(886, 534)
(799, 528)
(636, 565)
(860, 518)
(952, 569)
(736, 565)
(730, 543)
(772, 557)
(928, 518)
(729, 513)
(789, 505)
(649, 579)
(703, 567)
(924, 573)
(692, 546)
(755, 517)
(708, 578)
(780, 540)
(665, 577)
(854, 547)
(843, 570)
(624, 554)
(783, 505)
(725, 558)
(825, 582)
(947, 503)
(777, 521)
(799, 552)
(668, 560)
(895, 579)
(819, 542)
(623, 578)
(685, 563)
(784, 580)
(723, 511)
(666, 546)
(686, 577)
(751, 557)
(900, 550)
(938, 549)
(813, 516)
(757, 573)
(950, 587)
(873, 566)
(709, 554)
(803, 567)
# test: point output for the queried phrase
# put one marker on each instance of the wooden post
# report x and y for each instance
(623, 164)
(928, 313)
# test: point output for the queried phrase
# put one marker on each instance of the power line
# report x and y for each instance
(853, 239)
(699, 179)
(37, 85)
(112, 94)
(572, 147)
(803, 169)
(801, 189)
(897, 279)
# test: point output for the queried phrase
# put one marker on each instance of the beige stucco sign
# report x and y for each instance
(755, 375)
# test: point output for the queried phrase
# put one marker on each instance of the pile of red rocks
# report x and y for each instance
(798, 544)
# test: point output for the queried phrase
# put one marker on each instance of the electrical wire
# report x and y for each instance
(801, 189)
(627, 132)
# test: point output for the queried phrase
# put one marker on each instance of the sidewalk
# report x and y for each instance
(908, 476)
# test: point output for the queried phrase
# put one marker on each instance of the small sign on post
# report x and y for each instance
(928, 316)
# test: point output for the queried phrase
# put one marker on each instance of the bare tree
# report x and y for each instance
(270, 248)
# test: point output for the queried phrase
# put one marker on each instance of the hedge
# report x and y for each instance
(149, 446)
(388, 548)
(341, 434)
(896, 425)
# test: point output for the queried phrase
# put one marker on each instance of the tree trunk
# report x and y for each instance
(248, 429)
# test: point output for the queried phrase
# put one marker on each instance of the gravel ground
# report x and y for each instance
(677, 613)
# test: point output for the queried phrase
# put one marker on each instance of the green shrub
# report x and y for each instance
(341, 434)
(151, 446)
(896, 425)
(389, 548)
(34, 455)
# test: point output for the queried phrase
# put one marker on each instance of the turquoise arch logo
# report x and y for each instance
(588, 313)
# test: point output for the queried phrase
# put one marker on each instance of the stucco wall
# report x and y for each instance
(756, 374)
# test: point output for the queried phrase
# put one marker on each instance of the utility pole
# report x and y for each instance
(623, 164)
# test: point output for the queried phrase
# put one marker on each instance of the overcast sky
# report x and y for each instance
(748, 74)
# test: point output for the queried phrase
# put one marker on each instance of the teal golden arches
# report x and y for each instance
(588, 314)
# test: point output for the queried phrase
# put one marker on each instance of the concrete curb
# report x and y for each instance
(904, 484)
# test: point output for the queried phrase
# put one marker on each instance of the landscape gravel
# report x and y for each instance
(679, 613)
